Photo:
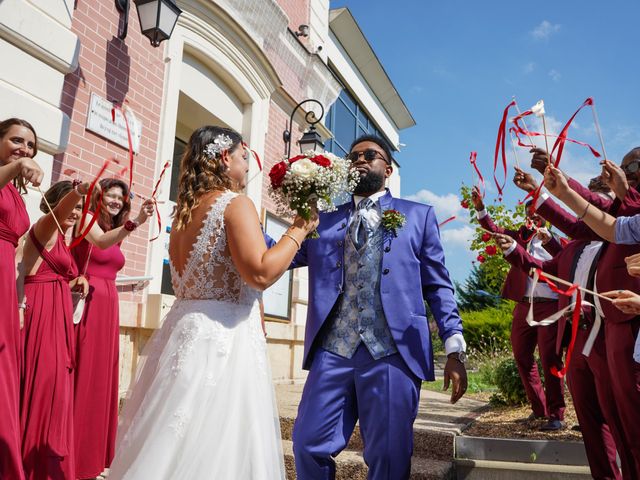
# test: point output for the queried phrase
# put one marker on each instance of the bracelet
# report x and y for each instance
(22, 305)
(130, 225)
(585, 212)
(288, 235)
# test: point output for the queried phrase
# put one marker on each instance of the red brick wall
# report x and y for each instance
(131, 71)
(297, 11)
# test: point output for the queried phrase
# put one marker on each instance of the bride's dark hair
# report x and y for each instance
(202, 173)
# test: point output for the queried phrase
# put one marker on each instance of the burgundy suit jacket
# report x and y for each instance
(515, 285)
(612, 269)
(561, 265)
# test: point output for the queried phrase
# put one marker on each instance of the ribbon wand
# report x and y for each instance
(597, 123)
(538, 111)
(569, 284)
(513, 146)
(524, 124)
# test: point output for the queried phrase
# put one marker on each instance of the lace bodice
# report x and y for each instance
(209, 272)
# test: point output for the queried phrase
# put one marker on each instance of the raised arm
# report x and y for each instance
(483, 216)
(48, 224)
(258, 266)
(103, 240)
(26, 166)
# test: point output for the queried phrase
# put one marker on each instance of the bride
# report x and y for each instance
(202, 405)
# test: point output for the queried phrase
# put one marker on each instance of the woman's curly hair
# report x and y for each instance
(200, 173)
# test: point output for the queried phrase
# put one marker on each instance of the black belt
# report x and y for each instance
(538, 299)
(583, 323)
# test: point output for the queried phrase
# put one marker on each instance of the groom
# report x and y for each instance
(367, 344)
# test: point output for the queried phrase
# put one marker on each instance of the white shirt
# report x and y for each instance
(537, 251)
(455, 343)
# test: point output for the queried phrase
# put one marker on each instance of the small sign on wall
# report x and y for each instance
(100, 121)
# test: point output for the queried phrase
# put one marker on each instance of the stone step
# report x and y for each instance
(350, 465)
(496, 470)
(427, 443)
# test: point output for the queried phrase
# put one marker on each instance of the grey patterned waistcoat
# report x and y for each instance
(358, 315)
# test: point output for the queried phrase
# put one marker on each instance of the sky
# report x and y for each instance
(457, 64)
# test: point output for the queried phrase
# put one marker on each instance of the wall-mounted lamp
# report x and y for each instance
(303, 31)
(311, 139)
(157, 18)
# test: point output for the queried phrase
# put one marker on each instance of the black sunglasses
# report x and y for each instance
(369, 155)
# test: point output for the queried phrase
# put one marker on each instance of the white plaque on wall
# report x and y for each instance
(100, 121)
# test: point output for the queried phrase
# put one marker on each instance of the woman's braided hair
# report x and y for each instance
(200, 172)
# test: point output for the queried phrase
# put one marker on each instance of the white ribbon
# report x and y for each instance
(636, 349)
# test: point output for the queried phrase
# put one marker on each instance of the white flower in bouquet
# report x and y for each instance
(308, 180)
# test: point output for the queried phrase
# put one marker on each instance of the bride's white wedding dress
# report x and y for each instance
(203, 404)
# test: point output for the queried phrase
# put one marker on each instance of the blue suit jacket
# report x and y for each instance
(412, 271)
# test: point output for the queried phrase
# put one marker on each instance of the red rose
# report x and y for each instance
(464, 204)
(486, 237)
(321, 160)
(277, 174)
(480, 258)
(296, 158)
(491, 249)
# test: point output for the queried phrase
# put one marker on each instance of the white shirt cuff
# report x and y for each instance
(541, 199)
(510, 250)
(455, 343)
(481, 213)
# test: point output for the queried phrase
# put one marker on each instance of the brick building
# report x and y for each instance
(238, 63)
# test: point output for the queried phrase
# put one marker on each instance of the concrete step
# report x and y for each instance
(496, 470)
(350, 465)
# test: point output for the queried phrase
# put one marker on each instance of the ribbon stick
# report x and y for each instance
(538, 111)
(450, 219)
(155, 202)
(597, 124)
(254, 154)
(55, 219)
(520, 116)
(500, 150)
(129, 140)
(513, 147)
(473, 160)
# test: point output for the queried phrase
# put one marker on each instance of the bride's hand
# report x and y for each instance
(307, 225)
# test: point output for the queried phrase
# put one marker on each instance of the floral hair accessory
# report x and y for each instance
(220, 143)
(393, 220)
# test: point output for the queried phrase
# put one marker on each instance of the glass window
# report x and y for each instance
(344, 125)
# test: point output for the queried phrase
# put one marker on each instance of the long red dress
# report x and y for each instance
(96, 382)
(14, 222)
(46, 415)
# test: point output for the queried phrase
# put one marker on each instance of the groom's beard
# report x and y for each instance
(370, 183)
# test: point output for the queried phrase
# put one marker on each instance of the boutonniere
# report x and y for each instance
(393, 220)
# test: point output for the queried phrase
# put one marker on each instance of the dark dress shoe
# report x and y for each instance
(552, 426)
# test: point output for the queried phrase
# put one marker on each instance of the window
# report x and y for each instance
(347, 120)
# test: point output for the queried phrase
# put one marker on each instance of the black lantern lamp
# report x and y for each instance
(311, 140)
(157, 18)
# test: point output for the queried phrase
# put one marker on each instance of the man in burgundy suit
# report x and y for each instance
(548, 401)
(621, 329)
(597, 414)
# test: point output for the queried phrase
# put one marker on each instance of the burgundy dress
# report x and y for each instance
(46, 415)
(96, 382)
(14, 222)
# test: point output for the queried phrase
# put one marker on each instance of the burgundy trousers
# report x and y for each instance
(589, 382)
(547, 401)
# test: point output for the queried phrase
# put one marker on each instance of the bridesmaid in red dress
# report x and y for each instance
(97, 334)
(50, 273)
(18, 144)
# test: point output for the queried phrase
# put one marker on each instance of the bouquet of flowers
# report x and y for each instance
(308, 180)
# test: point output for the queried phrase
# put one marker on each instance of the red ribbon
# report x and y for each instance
(255, 155)
(155, 203)
(447, 221)
(85, 210)
(500, 150)
(575, 320)
(472, 159)
(129, 140)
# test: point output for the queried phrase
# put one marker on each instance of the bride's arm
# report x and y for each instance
(258, 266)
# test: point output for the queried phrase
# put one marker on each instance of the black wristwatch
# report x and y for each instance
(460, 356)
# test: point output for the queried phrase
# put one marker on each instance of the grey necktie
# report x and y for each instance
(359, 226)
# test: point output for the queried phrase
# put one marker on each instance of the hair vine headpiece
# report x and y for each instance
(220, 143)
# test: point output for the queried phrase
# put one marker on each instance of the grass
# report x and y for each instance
(477, 383)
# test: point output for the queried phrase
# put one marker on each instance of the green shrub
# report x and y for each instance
(488, 329)
(507, 379)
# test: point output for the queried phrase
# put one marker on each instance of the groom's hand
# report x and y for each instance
(454, 371)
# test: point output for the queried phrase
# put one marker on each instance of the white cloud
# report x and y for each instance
(555, 75)
(457, 237)
(544, 30)
(529, 67)
(445, 205)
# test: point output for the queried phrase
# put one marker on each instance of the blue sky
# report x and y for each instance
(457, 64)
